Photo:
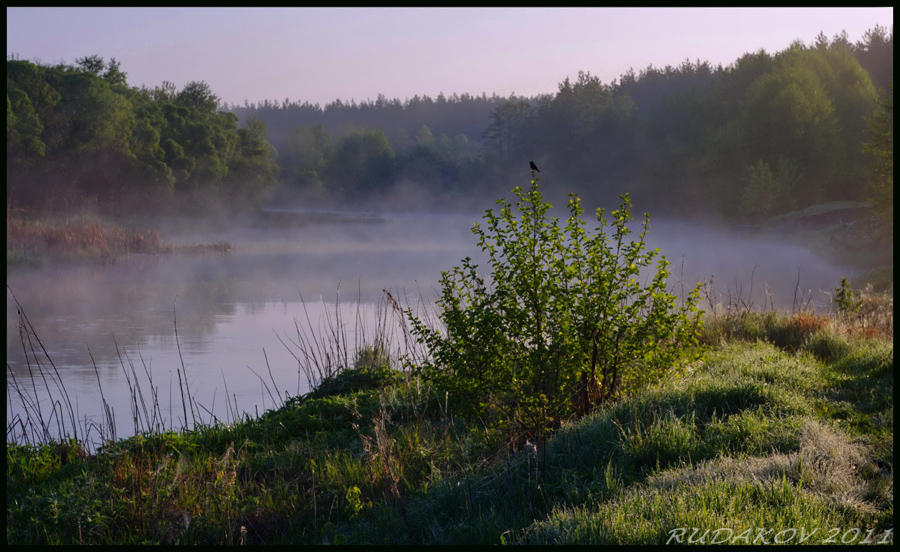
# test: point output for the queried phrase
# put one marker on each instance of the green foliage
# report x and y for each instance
(23, 127)
(678, 138)
(251, 168)
(425, 137)
(354, 502)
(91, 64)
(503, 133)
(807, 107)
(875, 52)
(198, 95)
(743, 420)
(81, 135)
(564, 324)
(94, 118)
(361, 163)
(114, 74)
(366, 376)
(586, 125)
(880, 144)
(768, 192)
(845, 299)
(752, 437)
(829, 346)
(305, 156)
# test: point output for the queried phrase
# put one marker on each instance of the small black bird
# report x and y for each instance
(534, 167)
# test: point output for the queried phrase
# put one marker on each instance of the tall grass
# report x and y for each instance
(37, 241)
(89, 238)
(367, 348)
(324, 349)
(46, 413)
(734, 316)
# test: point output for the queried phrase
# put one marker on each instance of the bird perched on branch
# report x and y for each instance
(534, 167)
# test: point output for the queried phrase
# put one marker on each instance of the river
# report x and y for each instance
(237, 316)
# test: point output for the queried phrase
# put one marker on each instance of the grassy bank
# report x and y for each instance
(787, 424)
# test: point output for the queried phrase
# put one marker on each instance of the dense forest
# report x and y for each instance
(78, 136)
(767, 134)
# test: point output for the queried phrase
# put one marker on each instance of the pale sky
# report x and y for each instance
(322, 54)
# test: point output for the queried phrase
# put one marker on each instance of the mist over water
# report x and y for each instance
(230, 309)
(766, 270)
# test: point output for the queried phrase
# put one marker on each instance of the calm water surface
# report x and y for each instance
(234, 313)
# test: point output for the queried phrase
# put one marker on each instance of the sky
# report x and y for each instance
(318, 55)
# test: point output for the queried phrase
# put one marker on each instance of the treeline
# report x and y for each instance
(79, 135)
(767, 134)
(400, 121)
(356, 152)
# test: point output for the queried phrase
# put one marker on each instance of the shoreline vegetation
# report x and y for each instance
(787, 423)
(768, 423)
(42, 239)
(38, 242)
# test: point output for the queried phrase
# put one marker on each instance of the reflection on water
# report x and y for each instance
(231, 309)
(234, 314)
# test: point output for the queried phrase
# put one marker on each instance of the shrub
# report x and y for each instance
(866, 312)
(564, 323)
(846, 301)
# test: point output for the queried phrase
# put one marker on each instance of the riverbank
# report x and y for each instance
(786, 425)
(39, 239)
(845, 232)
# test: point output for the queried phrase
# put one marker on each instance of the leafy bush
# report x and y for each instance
(564, 324)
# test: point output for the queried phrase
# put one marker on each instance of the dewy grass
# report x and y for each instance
(756, 437)
(816, 488)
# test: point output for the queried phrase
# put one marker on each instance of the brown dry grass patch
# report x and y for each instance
(76, 239)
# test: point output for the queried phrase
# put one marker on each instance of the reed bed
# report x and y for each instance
(76, 238)
(37, 242)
